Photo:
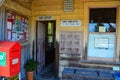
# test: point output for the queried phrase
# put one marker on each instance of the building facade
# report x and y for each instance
(67, 29)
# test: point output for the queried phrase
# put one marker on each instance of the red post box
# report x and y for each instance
(9, 58)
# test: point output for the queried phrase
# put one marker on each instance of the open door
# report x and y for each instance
(45, 44)
(41, 30)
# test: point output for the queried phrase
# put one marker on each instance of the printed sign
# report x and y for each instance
(15, 61)
(2, 58)
(102, 29)
(101, 42)
(45, 17)
(71, 23)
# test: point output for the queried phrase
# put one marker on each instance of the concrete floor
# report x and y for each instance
(47, 74)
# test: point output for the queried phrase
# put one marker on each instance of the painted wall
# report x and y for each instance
(55, 8)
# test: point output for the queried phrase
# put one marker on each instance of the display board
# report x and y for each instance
(71, 42)
(70, 48)
(101, 45)
(17, 27)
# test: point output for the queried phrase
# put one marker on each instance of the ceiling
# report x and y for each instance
(24, 3)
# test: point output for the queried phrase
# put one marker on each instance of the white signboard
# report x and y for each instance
(15, 61)
(101, 42)
(70, 22)
(45, 17)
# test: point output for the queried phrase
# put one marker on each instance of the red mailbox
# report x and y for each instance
(9, 58)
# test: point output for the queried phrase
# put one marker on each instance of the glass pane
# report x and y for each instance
(50, 39)
(106, 25)
(102, 20)
(50, 28)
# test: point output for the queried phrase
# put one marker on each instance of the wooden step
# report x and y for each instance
(89, 64)
(86, 74)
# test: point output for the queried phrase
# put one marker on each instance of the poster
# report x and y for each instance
(9, 25)
(9, 35)
(101, 42)
(17, 27)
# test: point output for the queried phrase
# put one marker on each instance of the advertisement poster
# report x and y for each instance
(17, 27)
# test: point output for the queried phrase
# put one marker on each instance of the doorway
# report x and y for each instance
(45, 45)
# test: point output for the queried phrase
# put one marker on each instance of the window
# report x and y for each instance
(50, 34)
(102, 20)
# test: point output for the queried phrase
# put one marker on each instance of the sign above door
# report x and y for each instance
(45, 18)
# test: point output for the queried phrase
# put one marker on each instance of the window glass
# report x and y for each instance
(102, 20)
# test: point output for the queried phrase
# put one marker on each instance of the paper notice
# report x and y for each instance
(9, 25)
(14, 36)
(9, 35)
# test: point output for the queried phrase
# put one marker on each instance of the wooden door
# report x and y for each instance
(41, 46)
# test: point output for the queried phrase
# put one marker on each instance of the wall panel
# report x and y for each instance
(80, 12)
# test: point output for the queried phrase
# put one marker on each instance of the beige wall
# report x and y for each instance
(56, 8)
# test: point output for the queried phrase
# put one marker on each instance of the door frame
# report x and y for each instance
(36, 48)
(101, 4)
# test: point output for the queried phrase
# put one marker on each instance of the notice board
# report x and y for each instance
(16, 27)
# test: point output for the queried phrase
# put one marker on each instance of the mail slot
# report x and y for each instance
(9, 58)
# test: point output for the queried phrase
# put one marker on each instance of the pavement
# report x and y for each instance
(47, 74)
(74, 74)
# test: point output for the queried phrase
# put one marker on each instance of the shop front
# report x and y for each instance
(14, 28)
(79, 33)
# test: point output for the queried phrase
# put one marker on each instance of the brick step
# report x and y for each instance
(98, 65)
(86, 74)
(91, 65)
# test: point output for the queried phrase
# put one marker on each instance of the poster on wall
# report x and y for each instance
(17, 27)
(101, 42)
